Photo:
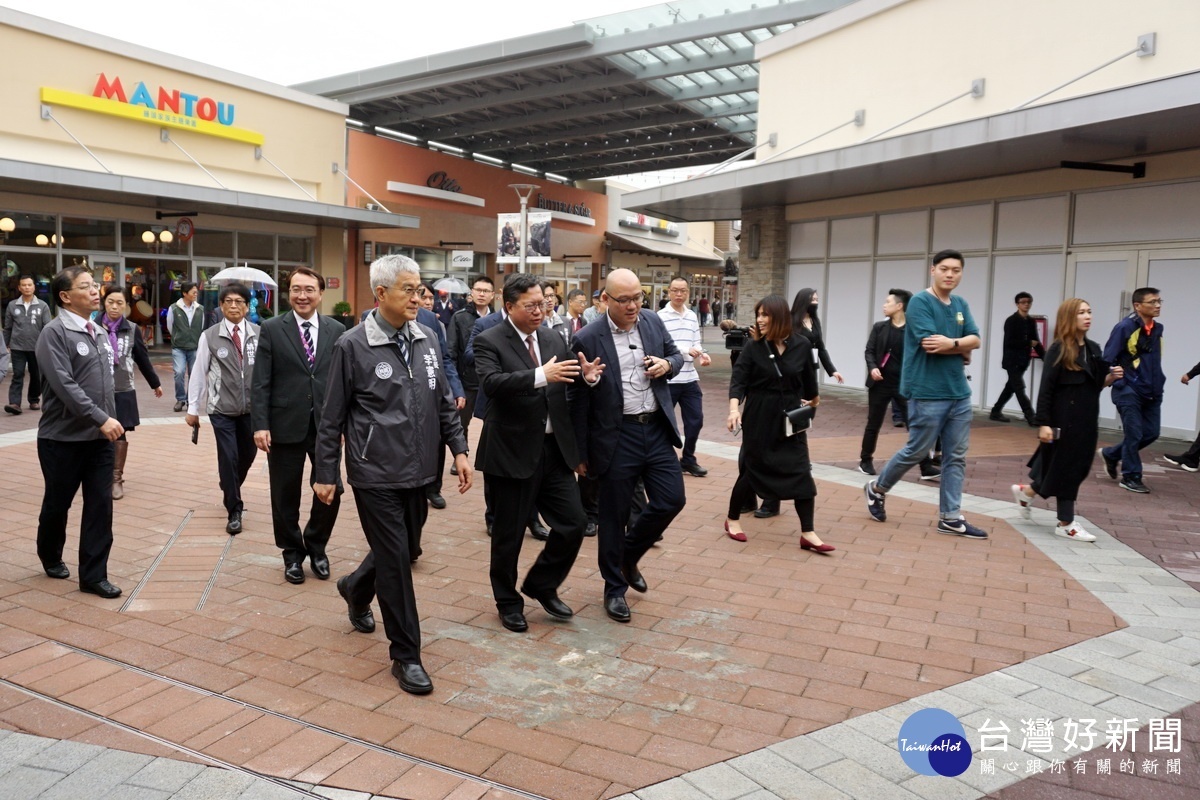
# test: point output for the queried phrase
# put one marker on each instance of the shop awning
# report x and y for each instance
(1122, 124)
(654, 247)
(77, 184)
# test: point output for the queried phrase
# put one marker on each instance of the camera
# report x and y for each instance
(735, 337)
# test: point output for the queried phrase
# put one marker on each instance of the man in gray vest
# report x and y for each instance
(76, 432)
(185, 321)
(220, 387)
(24, 320)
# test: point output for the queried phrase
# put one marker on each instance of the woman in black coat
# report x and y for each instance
(773, 374)
(1068, 413)
(806, 323)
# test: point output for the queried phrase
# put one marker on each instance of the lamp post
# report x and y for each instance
(523, 191)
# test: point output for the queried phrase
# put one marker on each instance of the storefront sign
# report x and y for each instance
(168, 108)
(644, 223)
(462, 259)
(184, 229)
(578, 209)
(333, 283)
(439, 180)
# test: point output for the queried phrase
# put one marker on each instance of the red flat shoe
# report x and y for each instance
(816, 548)
(737, 536)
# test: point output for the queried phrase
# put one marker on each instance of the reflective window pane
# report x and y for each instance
(215, 244)
(255, 245)
(28, 230)
(93, 235)
(142, 238)
(295, 248)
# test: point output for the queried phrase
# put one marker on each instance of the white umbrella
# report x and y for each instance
(245, 275)
(451, 285)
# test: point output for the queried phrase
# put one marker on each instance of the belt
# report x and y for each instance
(645, 418)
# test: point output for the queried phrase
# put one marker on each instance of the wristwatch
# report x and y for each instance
(956, 344)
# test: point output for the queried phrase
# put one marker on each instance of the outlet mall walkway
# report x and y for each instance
(752, 670)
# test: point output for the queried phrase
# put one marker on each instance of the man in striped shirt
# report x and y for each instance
(684, 328)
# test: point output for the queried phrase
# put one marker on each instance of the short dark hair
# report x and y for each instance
(483, 279)
(63, 281)
(1140, 294)
(187, 286)
(1023, 296)
(781, 318)
(240, 289)
(24, 276)
(109, 288)
(678, 278)
(517, 284)
(571, 295)
(310, 273)
(549, 286)
(427, 286)
(903, 295)
(942, 255)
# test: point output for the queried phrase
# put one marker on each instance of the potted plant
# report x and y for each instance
(341, 312)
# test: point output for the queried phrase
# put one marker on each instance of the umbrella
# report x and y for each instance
(245, 275)
(451, 285)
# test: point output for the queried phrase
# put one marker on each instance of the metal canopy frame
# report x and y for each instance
(663, 87)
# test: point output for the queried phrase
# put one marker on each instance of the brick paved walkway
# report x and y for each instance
(738, 651)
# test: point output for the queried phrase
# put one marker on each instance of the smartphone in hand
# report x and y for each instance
(196, 434)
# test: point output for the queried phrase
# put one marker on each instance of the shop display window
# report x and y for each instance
(142, 238)
(90, 235)
(212, 244)
(295, 248)
(42, 266)
(28, 230)
(252, 246)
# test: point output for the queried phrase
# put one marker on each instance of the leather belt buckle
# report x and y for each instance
(641, 419)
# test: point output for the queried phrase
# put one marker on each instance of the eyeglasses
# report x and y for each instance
(483, 290)
(85, 287)
(233, 301)
(305, 290)
(626, 301)
(531, 307)
(407, 291)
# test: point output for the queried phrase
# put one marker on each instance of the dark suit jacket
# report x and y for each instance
(482, 324)
(1018, 333)
(876, 348)
(285, 393)
(510, 445)
(596, 410)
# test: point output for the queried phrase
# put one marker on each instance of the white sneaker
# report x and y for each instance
(1073, 531)
(1023, 502)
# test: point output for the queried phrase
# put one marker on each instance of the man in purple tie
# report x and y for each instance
(75, 433)
(292, 368)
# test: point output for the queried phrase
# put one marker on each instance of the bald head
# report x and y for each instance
(623, 291)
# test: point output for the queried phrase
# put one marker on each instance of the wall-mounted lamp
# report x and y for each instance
(43, 240)
(754, 237)
(456, 244)
(164, 236)
(7, 226)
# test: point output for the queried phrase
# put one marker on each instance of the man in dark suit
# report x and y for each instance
(290, 376)
(527, 449)
(1020, 336)
(625, 428)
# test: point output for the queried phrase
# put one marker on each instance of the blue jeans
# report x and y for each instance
(182, 362)
(1140, 418)
(690, 400)
(927, 420)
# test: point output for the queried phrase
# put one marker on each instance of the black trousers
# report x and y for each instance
(389, 519)
(286, 462)
(589, 495)
(66, 466)
(690, 400)
(643, 451)
(235, 456)
(879, 397)
(1014, 387)
(743, 495)
(22, 360)
(553, 491)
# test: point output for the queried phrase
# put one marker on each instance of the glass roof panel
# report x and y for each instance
(666, 14)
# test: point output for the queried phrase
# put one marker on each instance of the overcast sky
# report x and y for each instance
(287, 43)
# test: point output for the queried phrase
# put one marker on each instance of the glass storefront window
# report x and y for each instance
(28, 230)
(212, 244)
(41, 266)
(255, 246)
(295, 248)
(262, 300)
(433, 261)
(95, 235)
(145, 239)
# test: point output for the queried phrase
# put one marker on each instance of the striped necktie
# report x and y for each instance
(400, 340)
(309, 350)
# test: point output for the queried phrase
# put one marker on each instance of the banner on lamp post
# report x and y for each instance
(538, 238)
(509, 238)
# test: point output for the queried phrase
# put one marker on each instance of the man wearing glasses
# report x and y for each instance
(625, 429)
(1136, 345)
(220, 388)
(483, 291)
(290, 376)
(75, 433)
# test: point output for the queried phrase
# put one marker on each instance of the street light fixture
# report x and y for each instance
(523, 191)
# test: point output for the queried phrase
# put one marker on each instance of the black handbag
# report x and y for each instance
(798, 419)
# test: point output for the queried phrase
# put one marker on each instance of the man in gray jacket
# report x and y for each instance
(76, 432)
(389, 397)
(24, 320)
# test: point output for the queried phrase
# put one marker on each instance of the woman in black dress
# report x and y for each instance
(772, 464)
(806, 323)
(126, 342)
(1068, 413)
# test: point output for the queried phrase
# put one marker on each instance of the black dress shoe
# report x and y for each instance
(767, 509)
(749, 508)
(694, 469)
(102, 588)
(996, 416)
(235, 523)
(436, 500)
(591, 529)
(293, 573)
(489, 529)
(59, 571)
(412, 677)
(453, 469)
(633, 577)
(514, 621)
(551, 603)
(538, 531)
(360, 616)
(617, 608)
(319, 566)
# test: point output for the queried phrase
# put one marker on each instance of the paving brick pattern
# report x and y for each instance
(737, 649)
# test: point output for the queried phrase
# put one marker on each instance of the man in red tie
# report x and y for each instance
(577, 303)
(75, 433)
(220, 387)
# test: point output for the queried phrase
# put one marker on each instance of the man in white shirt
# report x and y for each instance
(684, 328)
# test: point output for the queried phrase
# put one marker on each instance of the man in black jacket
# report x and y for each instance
(527, 449)
(458, 335)
(1020, 335)
(290, 374)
